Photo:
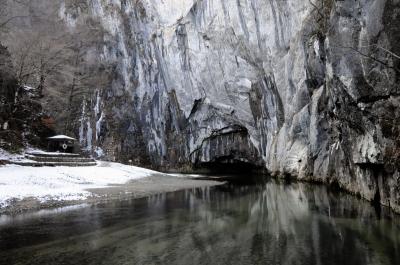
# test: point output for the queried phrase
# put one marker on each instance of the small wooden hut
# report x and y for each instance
(61, 143)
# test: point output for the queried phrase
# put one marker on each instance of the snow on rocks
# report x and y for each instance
(6, 156)
(63, 183)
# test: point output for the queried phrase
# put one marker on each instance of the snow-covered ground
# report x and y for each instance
(62, 183)
(4, 155)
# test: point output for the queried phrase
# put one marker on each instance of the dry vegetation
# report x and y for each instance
(55, 53)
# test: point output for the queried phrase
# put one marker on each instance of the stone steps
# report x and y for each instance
(77, 159)
(54, 164)
(44, 154)
(41, 159)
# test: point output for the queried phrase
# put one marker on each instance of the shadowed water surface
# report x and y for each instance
(268, 223)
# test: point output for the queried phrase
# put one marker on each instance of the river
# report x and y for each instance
(265, 222)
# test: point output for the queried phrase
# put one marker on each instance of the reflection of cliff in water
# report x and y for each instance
(288, 224)
(260, 224)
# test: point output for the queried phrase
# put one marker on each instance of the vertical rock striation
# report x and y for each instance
(306, 89)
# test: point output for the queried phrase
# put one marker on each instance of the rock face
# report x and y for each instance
(306, 90)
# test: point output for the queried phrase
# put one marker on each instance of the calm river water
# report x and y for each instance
(264, 223)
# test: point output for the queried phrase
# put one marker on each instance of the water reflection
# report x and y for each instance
(270, 223)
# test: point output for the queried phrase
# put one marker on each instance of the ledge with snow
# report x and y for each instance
(60, 183)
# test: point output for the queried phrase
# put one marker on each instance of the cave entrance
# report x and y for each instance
(235, 168)
(238, 172)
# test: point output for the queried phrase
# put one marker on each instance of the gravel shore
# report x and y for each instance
(139, 188)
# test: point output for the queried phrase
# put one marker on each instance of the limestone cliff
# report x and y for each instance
(305, 89)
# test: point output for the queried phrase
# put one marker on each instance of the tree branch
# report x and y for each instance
(4, 23)
(371, 57)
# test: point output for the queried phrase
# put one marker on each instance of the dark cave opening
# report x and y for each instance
(235, 168)
(233, 171)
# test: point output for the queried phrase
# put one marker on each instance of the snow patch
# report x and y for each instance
(98, 125)
(61, 137)
(97, 107)
(99, 152)
(89, 136)
(63, 183)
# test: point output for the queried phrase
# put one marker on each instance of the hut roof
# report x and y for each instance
(61, 137)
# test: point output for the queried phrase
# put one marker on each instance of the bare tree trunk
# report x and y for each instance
(72, 94)
(42, 78)
(69, 109)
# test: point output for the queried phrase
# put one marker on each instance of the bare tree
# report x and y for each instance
(322, 8)
(386, 63)
(60, 60)
(6, 16)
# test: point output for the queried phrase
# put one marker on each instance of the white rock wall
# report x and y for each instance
(257, 80)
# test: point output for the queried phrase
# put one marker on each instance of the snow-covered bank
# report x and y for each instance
(63, 183)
